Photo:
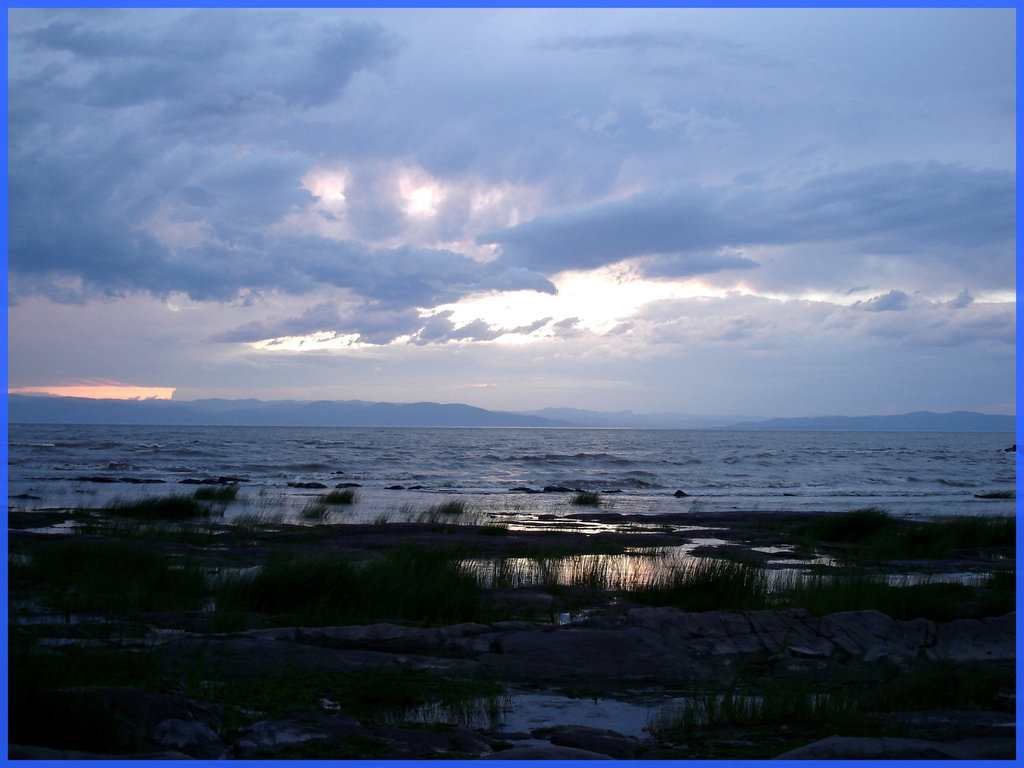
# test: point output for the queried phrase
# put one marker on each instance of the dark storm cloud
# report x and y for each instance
(895, 209)
(131, 170)
(217, 59)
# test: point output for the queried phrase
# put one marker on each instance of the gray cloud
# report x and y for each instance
(155, 152)
(895, 209)
(893, 301)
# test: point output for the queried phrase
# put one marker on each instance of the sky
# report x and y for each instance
(706, 211)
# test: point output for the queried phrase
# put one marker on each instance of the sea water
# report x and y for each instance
(637, 471)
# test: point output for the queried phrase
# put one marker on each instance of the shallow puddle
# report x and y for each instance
(525, 712)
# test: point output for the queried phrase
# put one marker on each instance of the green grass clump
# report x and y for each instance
(224, 493)
(784, 703)
(315, 511)
(848, 527)
(442, 513)
(872, 534)
(174, 507)
(706, 584)
(937, 685)
(587, 499)
(81, 574)
(494, 529)
(407, 583)
(345, 496)
(855, 589)
(453, 507)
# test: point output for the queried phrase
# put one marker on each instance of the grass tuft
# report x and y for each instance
(587, 499)
(82, 574)
(346, 496)
(224, 493)
(706, 584)
(175, 507)
(407, 583)
(315, 511)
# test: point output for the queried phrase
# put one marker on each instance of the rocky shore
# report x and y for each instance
(172, 684)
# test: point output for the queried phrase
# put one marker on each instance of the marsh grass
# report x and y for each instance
(937, 685)
(494, 529)
(368, 695)
(315, 511)
(173, 507)
(257, 520)
(848, 527)
(196, 533)
(224, 493)
(339, 497)
(923, 685)
(853, 589)
(412, 583)
(705, 584)
(453, 507)
(444, 513)
(784, 703)
(80, 574)
(586, 499)
(873, 534)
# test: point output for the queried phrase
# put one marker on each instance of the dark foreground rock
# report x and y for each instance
(655, 644)
(864, 748)
(545, 752)
(640, 647)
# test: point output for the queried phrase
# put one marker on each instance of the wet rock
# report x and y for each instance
(25, 752)
(271, 735)
(348, 485)
(139, 481)
(557, 489)
(867, 748)
(189, 736)
(223, 480)
(418, 743)
(311, 484)
(603, 742)
(95, 479)
(395, 488)
(26, 496)
(523, 489)
(973, 639)
(545, 752)
(680, 494)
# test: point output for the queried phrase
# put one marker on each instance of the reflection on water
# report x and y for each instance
(523, 712)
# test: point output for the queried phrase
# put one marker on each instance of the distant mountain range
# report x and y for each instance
(42, 409)
(919, 421)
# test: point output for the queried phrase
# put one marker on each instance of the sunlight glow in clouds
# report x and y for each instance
(599, 300)
(106, 390)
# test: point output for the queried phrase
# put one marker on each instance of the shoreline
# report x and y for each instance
(554, 639)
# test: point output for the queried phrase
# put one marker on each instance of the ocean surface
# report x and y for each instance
(905, 473)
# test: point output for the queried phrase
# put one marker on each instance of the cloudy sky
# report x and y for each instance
(764, 212)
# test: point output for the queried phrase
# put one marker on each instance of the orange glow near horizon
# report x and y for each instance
(105, 390)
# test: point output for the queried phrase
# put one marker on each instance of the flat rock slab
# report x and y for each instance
(865, 748)
(25, 752)
(542, 752)
(603, 742)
